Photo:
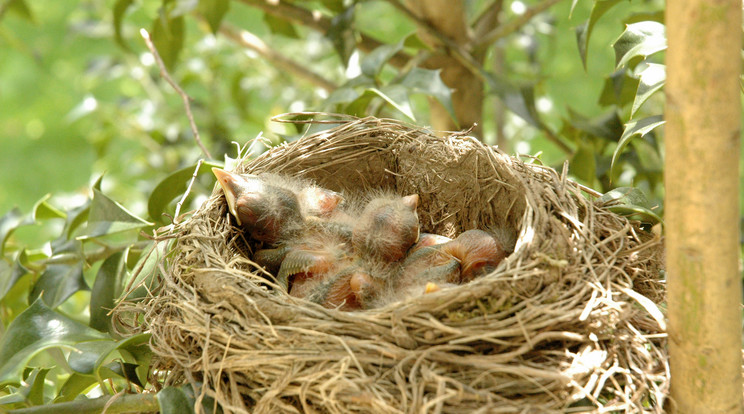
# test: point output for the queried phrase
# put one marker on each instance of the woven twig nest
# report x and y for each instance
(566, 323)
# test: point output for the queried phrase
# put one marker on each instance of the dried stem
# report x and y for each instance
(514, 25)
(251, 41)
(164, 73)
(186, 193)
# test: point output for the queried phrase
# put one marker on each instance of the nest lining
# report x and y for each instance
(566, 323)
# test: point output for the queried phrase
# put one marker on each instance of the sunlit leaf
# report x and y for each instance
(43, 210)
(8, 223)
(38, 328)
(629, 201)
(108, 216)
(214, 11)
(429, 82)
(181, 7)
(280, 26)
(11, 274)
(120, 10)
(341, 34)
(639, 40)
(397, 97)
(358, 107)
(639, 127)
(375, 60)
(107, 287)
(36, 390)
(343, 95)
(76, 216)
(58, 282)
(652, 78)
(584, 31)
(167, 36)
(172, 186)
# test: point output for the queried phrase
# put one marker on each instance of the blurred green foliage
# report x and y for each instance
(86, 115)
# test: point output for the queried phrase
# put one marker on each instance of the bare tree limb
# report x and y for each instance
(514, 25)
(318, 22)
(164, 73)
(251, 41)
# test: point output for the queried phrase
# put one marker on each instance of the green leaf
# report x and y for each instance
(639, 40)
(629, 201)
(429, 82)
(280, 26)
(75, 217)
(372, 63)
(88, 356)
(336, 6)
(648, 156)
(18, 7)
(607, 126)
(108, 217)
(214, 11)
(38, 328)
(108, 286)
(637, 127)
(8, 223)
(520, 100)
(181, 7)
(173, 186)
(343, 95)
(120, 10)
(10, 275)
(652, 78)
(583, 163)
(167, 36)
(173, 400)
(43, 210)
(619, 89)
(36, 390)
(59, 282)
(341, 34)
(75, 385)
(640, 213)
(397, 97)
(584, 31)
(125, 370)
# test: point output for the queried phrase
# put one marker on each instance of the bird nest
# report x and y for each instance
(567, 323)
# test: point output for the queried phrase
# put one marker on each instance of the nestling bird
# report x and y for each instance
(387, 227)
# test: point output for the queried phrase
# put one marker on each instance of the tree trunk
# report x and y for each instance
(449, 18)
(703, 137)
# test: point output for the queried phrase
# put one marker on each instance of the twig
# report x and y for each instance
(458, 52)
(186, 193)
(487, 19)
(320, 23)
(251, 41)
(164, 73)
(130, 403)
(514, 25)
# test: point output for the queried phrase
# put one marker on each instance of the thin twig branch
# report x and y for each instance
(458, 52)
(186, 193)
(164, 73)
(320, 23)
(251, 41)
(488, 19)
(516, 24)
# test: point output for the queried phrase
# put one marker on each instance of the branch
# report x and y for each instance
(458, 52)
(318, 22)
(164, 73)
(488, 18)
(514, 25)
(129, 403)
(251, 41)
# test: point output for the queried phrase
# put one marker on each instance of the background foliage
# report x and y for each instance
(87, 117)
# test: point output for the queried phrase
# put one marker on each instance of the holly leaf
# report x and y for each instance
(619, 89)
(11, 274)
(58, 282)
(652, 78)
(108, 216)
(214, 11)
(341, 34)
(280, 26)
(429, 82)
(639, 40)
(36, 329)
(167, 35)
(172, 186)
(120, 10)
(372, 63)
(584, 31)
(639, 127)
(107, 287)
